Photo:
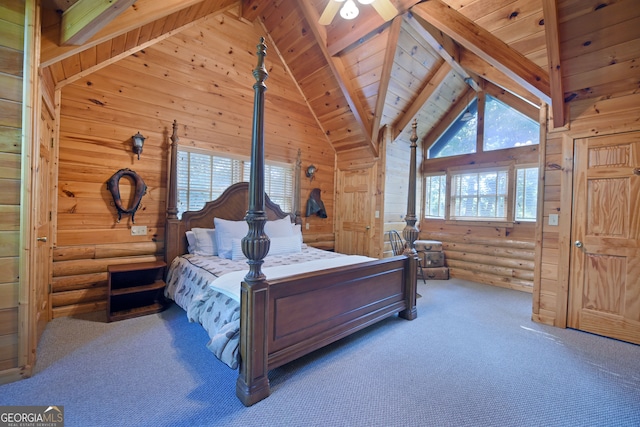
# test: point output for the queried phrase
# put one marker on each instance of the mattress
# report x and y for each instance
(208, 289)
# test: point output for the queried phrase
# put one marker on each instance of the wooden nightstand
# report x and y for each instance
(135, 290)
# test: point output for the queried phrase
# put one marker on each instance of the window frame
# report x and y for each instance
(511, 167)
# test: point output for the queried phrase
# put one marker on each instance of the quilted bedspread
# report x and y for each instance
(208, 288)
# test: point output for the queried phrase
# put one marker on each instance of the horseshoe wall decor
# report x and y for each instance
(113, 185)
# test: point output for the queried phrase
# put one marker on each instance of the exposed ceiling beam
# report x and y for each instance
(86, 17)
(550, 12)
(487, 46)
(444, 45)
(472, 62)
(141, 13)
(340, 74)
(431, 84)
(344, 33)
(385, 77)
(138, 48)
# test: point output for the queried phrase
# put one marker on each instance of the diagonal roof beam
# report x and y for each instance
(138, 48)
(550, 12)
(141, 13)
(476, 65)
(340, 74)
(387, 67)
(445, 47)
(86, 17)
(487, 46)
(432, 82)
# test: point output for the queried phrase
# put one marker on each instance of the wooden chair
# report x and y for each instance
(397, 246)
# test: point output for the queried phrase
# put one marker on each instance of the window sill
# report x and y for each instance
(476, 223)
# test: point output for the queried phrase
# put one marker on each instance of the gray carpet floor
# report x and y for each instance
(472, 357)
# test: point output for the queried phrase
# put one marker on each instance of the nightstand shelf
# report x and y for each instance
(135, 290)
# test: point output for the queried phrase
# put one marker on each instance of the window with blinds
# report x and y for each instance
(203, 177)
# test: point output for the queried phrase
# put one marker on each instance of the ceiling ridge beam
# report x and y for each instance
(487, 46)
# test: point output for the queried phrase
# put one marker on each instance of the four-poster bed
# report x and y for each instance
(285, 316)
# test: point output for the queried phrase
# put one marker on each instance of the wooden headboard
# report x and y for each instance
(231, 205)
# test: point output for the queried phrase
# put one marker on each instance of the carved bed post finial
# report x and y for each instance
(253, 381)
(410, 232)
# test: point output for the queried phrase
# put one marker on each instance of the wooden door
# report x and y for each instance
(354, 214)
(604, 289)
(42, 211)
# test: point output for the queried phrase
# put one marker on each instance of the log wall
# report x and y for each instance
(202, 78)
(12, 24)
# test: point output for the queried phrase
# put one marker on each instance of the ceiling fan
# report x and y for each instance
(349, 10)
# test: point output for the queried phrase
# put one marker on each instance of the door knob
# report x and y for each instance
(368, 227)
(578, 244)
(41, 239)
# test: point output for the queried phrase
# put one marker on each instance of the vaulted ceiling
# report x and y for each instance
(366, 76)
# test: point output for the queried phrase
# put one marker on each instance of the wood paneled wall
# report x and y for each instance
(600, 49)
(202, 78)
(12, 26)
(589, 118)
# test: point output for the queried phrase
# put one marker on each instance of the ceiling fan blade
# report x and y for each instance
(329, 12)
(385, 8)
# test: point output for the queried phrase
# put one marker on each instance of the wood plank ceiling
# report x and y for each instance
(364, 75)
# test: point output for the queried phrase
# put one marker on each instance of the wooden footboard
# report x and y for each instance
(293, 316)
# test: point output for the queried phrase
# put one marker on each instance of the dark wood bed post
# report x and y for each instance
(410, 232)
(172, 226)
(297, 218)
(253, 381)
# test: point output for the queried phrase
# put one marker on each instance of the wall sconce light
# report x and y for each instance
(138, 142)
(311, 172)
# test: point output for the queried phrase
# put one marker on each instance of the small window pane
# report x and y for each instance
(526, 194)
(460, 137)
(505, 127)
(435, 187)
(479, 195)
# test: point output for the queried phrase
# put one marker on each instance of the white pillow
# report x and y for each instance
(226, 231)
(236, 250)
(285, 245)
(191, 241)
(204, 241)
(277, 246)
(278, 228)
(297, 231)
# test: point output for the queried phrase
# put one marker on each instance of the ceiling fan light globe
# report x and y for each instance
(366, 1)
(349, 10)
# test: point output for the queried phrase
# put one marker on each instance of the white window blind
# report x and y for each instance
(203, 177)
(479, 195)
(526, 194)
